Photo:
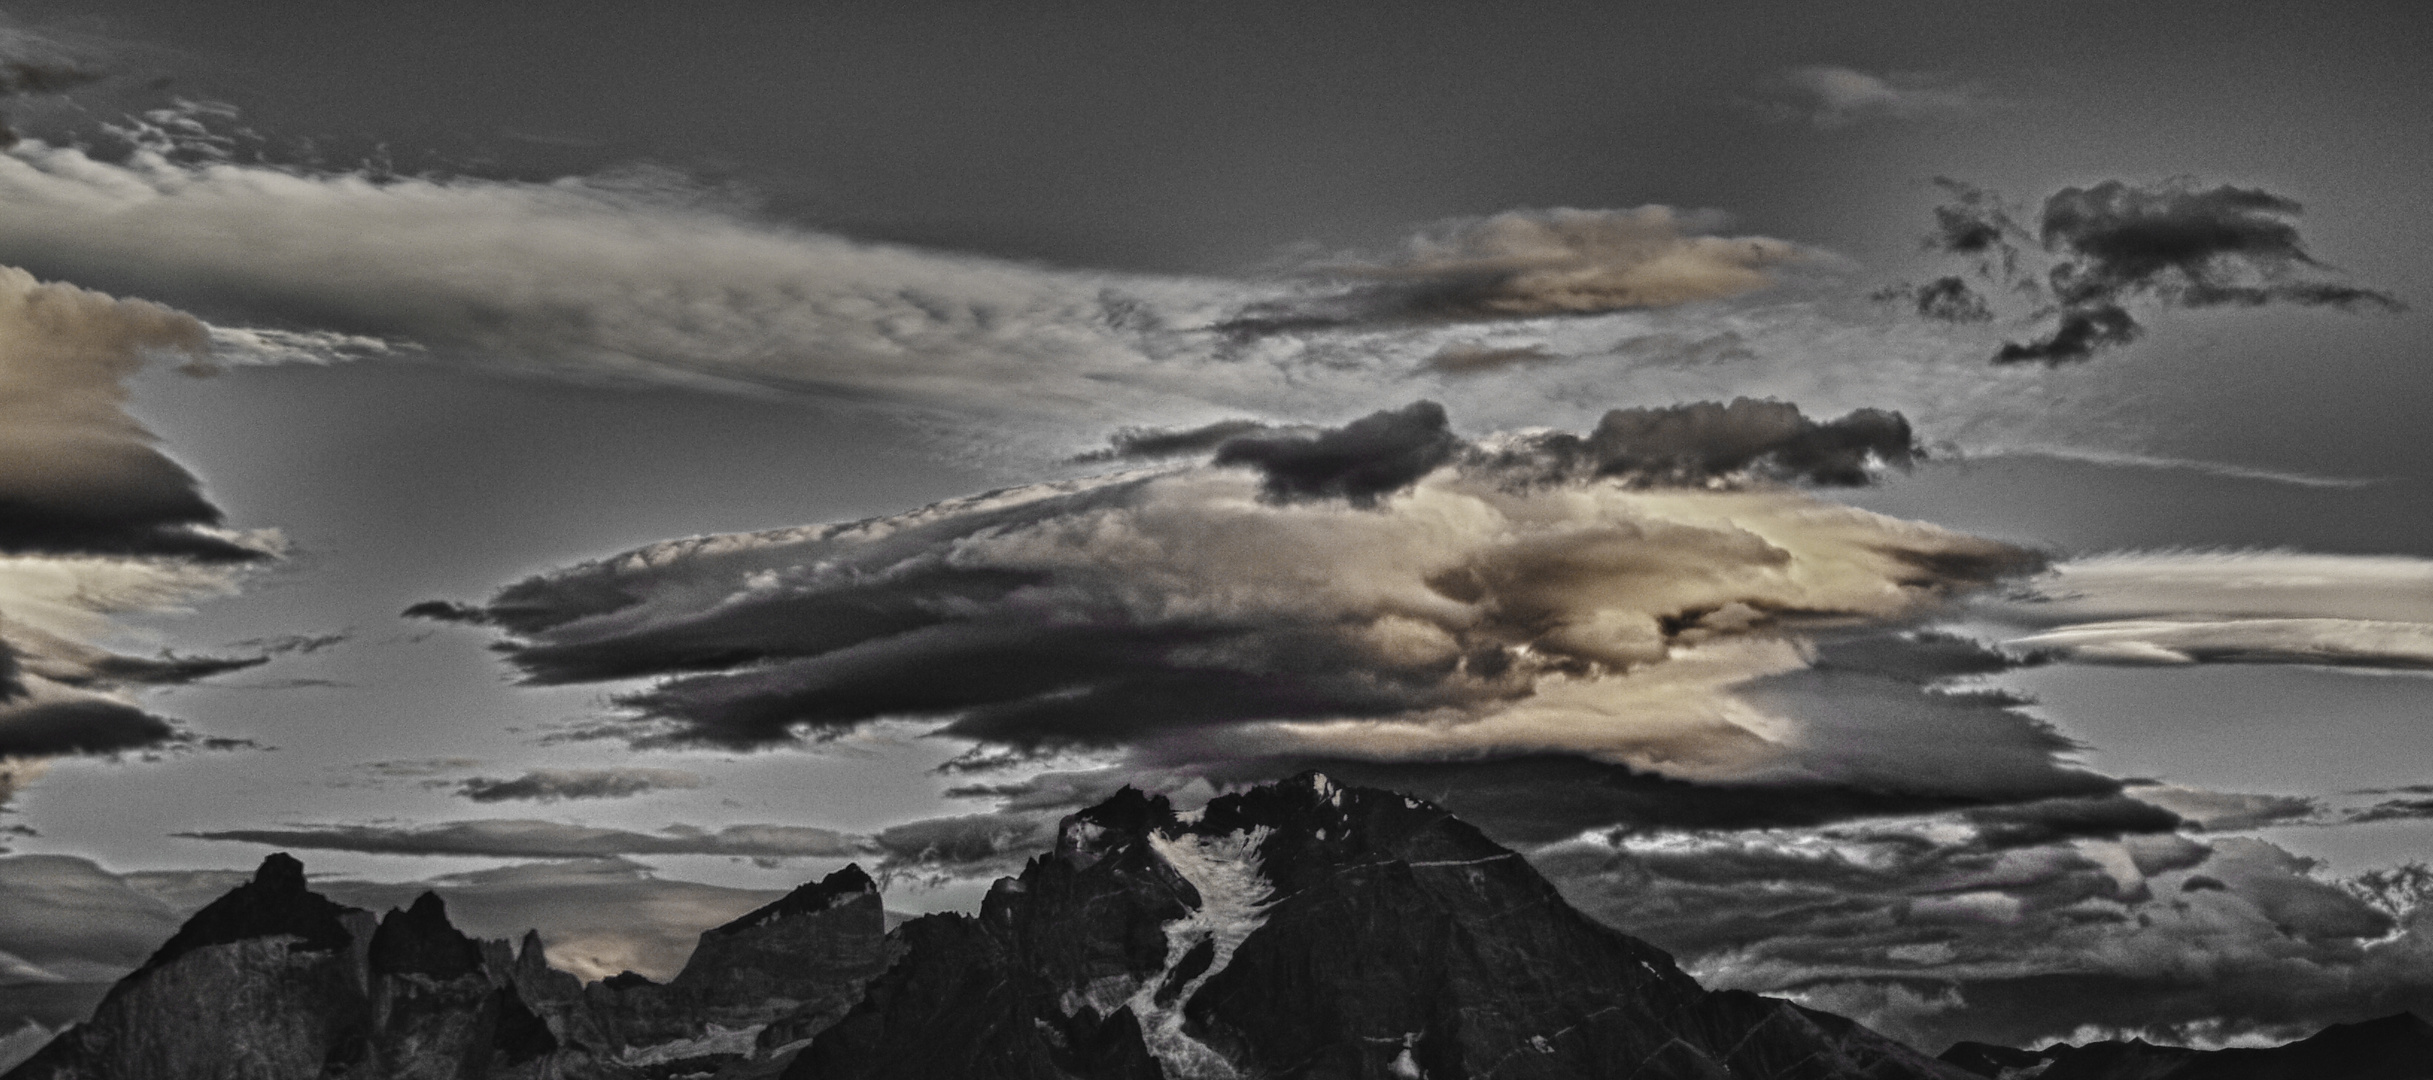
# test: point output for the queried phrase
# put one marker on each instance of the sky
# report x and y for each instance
(1918, 508)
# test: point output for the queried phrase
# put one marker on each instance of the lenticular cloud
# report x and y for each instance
(1195, 612)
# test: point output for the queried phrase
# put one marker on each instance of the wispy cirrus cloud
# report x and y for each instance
(2272, 607)
(1831, 96)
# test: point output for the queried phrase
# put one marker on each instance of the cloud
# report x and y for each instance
(549, 785)
(1829, 97)
(1524, 264)
(639, 277)
(95, 522)
(2017, 924)
(72, 921)
(1185, 619)
(2175, 244)
(83, 725)
(2081, 333)
(520, 839)
(620, 278)
(1707, 443)
(77, 474)
(967, 846)
(37, 65)
(1373, 456)
(1948, 299)
(1470, 358)
(2172, 608)
(2227, 811)
(2391, 810)
(1690, 445)
(1149, 444)
(2187, 245)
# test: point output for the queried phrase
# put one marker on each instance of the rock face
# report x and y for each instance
(754, 991)
(2397, 1047)
(1307, 930)
(274, 980)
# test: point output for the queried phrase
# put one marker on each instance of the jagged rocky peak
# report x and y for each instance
(273, 980)
(276, 902)
(421, 940)
(809, 898)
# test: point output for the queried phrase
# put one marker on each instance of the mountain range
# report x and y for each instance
(1299, 929)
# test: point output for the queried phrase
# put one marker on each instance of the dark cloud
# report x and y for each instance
(293, 644)
(1977, 223)
(2079, 335)
(167, 669)
(2174, 244)
(446, 611)
(114, 500)
(1376, 455)
(1705, 442)
(2186, 245)
(1137, 443)
(43, 77)
(1035, 686)
(1948, 299)
(2392, 810)
(81, 726)
(550, 840)
(549, 785)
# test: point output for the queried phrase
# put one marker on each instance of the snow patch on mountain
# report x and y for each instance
(1234, 896)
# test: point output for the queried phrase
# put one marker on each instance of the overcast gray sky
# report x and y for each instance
(491, 292)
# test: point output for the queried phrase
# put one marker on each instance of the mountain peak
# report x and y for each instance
(280, 872)
(421, 940)
(275, 903)
(809, 898)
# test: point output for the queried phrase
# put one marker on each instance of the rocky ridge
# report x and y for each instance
(2397, 1047)
(1303, 929)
